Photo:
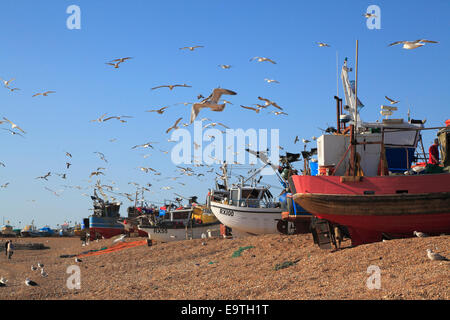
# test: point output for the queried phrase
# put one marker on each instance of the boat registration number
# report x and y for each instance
(227, 212)
(159, 230)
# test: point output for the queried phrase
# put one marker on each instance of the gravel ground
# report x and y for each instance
(277, 267)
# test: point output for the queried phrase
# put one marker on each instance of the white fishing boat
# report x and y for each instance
(183, 224)
(248, 210)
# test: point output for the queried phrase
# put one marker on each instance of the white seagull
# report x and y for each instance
(413, 44)
(13, 125)
(321, 44)
(210, 102)
(435, 256)
(261, 59)
(420, 234)
(78, 260)
(192, 48)
(271, 80)
(30, 283)
(7, 82)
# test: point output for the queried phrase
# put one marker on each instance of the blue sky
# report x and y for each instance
(43, 54)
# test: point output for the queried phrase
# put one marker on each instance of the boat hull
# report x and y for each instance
(393, 205)
(248, 220)
(162, 234)
(105, 227)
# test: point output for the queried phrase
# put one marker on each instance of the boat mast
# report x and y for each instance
(356, 112)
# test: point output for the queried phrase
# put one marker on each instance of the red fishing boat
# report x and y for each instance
(370, 185)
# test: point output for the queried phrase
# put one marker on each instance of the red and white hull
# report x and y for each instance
(395, 205)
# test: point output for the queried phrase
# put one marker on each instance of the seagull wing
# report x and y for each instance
(396, 42)
(251, 108)
(196, 107)
(429, 41)
(218, 92)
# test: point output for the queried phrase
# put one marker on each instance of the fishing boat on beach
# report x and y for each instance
(7, 231)
(103, 223)
(370, 180)
(181, 223)
(29, 231)
(251, 209)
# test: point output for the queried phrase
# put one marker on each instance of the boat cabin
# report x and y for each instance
(253, 197)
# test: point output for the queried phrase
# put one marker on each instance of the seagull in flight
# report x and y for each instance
(174, 126)
(412, 44)
(321, 44)
(296, 139)
(270, 103)
(160, 111)
(277, 113)
(117, 117)
(99, 119)
(192, 48)
(145, 145)
(102, 156)
(210, 102)
(391, 100)
(225, 66)
(171, 86)
(44, 176)
(261, 59)
(271, 80)
(96, 173)
(369, 15)
(117, 62)
(213, 124)
(43, 93)
(257, 110)
(68, 154)
(4, 185)
(13, 125)
(7, 82)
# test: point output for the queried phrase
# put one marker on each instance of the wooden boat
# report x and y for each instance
(372, 190)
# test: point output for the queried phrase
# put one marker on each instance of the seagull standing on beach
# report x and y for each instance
(420, 234)
(171, 86)
(33, 268)
(210, 102)
(43, 273)
(435, 256)
(3, 282)
(77, 260)
(30, 283)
